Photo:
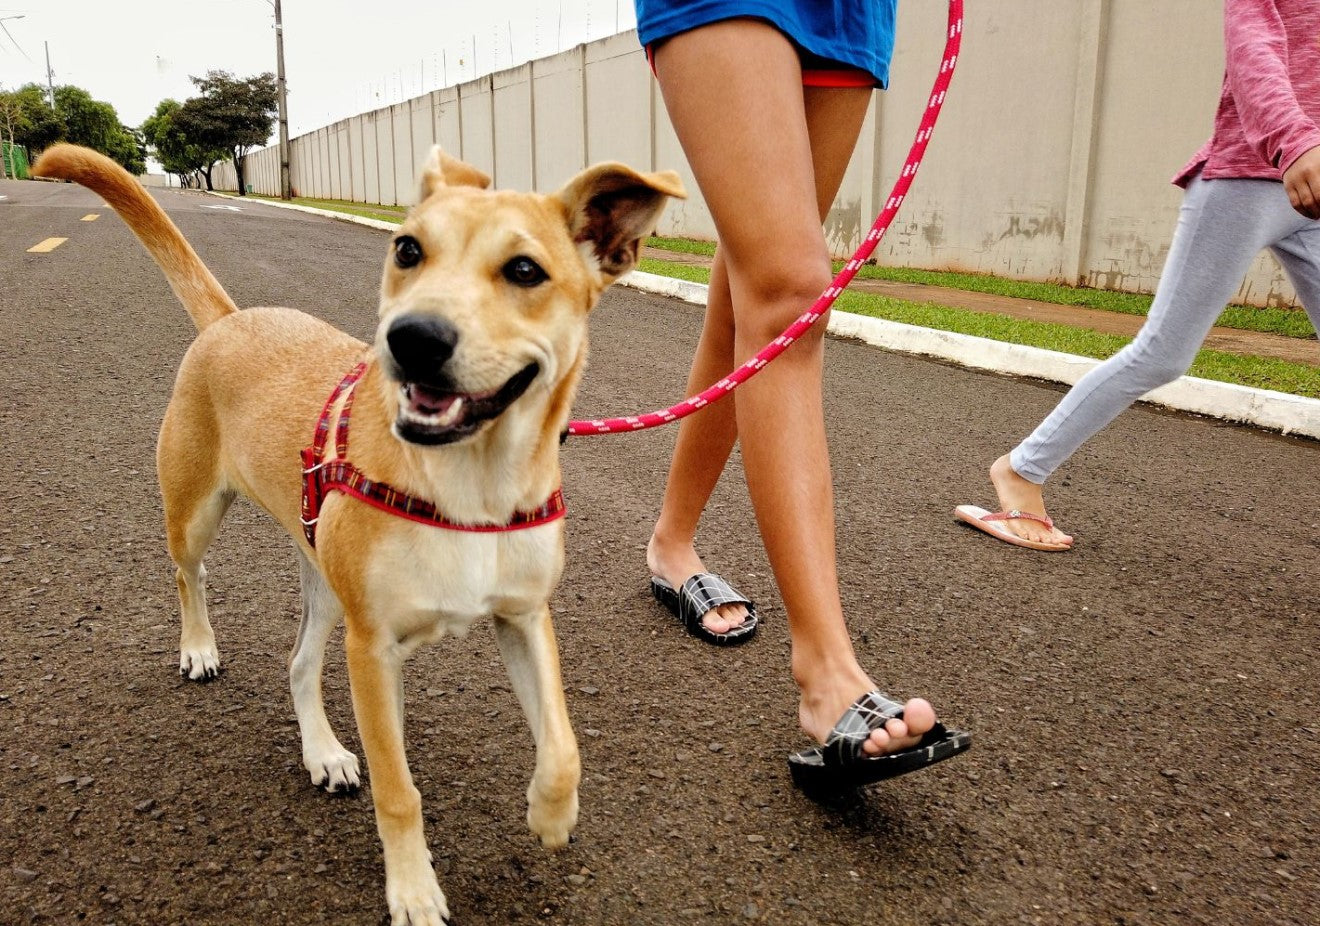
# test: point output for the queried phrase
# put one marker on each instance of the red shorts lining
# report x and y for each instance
(812, 77)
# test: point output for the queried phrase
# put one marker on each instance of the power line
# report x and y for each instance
(5, 29)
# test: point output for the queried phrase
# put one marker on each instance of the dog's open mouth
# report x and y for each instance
(431, 415)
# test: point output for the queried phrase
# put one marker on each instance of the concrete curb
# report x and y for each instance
(311, 210)
(1263, 408)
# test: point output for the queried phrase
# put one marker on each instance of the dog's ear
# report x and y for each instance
(612, 207)
(441, 170)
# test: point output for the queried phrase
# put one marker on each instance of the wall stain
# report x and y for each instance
(1124, 259)
(1114, 278)
(933, 231)
(1020, 226)
(1279, 293)
(843, 227)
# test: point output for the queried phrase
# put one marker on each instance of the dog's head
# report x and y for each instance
(486, 293)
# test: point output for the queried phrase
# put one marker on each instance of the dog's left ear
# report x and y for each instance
(612, 207)
(440, 170)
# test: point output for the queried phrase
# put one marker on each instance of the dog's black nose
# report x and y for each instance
(421, 344)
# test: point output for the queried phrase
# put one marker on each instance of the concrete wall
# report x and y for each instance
(1051, 161)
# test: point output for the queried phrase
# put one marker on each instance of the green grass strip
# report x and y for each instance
(683, 245)
(366, 210)
(1258, 372)
(1290, 322)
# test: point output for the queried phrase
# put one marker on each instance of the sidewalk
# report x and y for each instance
(1264, 408)
(1230, 340)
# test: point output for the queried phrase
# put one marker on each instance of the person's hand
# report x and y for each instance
(1302, 181)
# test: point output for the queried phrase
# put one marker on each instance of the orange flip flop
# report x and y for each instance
(985, 521)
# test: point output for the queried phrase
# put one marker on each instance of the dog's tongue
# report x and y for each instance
(428, 402)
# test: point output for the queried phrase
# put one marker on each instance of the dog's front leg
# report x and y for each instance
(532, 659)
(374, 674)
(331, 765)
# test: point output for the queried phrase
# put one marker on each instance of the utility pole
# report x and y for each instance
(50, 77)
(285, 189)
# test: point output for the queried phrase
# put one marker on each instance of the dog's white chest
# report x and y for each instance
(432, 582)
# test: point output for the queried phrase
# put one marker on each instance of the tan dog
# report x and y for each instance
(481, 342)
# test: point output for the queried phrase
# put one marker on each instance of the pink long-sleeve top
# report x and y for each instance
(1269, 110)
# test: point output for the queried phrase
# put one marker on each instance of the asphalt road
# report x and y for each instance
(1144, 707)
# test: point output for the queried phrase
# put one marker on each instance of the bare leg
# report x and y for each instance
(705, 440)
(766, 153)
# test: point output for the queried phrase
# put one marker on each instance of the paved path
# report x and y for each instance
(1144, 708)
(1232, 340)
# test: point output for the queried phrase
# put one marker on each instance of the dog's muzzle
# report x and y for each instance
(432, 408)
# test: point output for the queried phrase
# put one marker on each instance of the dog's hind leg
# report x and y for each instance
(195, 501)
(532, 659)
(331, 765)
(189, 537)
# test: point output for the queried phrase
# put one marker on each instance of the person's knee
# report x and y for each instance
(1154, 368)
(778, 296)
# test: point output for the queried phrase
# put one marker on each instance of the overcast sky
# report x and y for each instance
(340, 57)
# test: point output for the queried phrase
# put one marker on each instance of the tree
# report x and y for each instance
(177, 152)
(35, 125)
(9, 114)
(232, 115)
(96, 125)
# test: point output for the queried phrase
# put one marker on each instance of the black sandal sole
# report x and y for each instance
(815, 777)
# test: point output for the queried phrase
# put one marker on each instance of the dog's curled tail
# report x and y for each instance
(199, 291)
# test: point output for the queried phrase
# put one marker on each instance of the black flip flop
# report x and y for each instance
(841, 765)
(698, 595)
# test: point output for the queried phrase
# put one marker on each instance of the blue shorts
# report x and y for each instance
(837, 36)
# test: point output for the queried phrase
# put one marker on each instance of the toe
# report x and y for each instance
(1027, 530)
(724, 619)
(902, 732)
(715, 622)
(919, 717)
(878, 743)
(897, 730)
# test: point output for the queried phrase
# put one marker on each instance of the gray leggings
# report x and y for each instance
(1222, 226)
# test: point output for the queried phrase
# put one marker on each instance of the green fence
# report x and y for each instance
(15, 161)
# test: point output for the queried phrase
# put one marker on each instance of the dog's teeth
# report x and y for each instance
(450, 415)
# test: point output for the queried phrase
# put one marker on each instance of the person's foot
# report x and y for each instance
(821, 708)
(676, 563)
(1018, 494)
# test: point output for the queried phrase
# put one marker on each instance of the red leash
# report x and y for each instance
(822, 304)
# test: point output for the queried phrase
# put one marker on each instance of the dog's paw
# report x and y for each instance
(336, 770)
(200, 664)
(417, 904)
(553, 821)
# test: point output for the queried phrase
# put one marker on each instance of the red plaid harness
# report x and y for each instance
(321, 476)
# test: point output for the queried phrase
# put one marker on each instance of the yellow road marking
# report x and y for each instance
(49, 244)
(91, 217)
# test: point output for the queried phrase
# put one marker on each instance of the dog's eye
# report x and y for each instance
(524, 272)
(407, 252)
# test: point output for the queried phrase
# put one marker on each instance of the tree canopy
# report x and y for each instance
(96, 125)
(232, 115)
(35, 125)
(176, 151)
(77, 118)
